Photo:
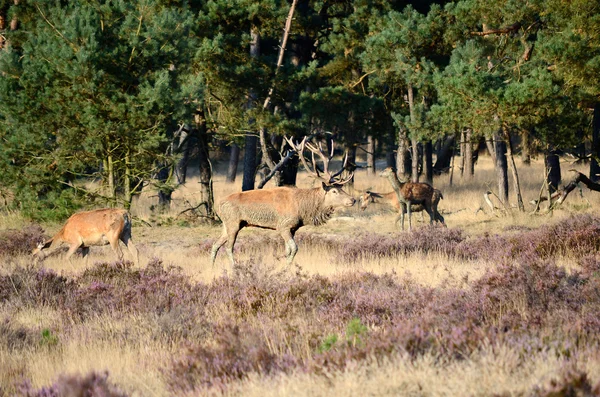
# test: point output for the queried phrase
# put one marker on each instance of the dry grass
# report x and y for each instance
(497, 370)
(128, 349)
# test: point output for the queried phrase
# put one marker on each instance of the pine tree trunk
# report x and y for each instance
(468, 162)
(205, 168)
(402, 156)
(445, 155)
(428, 162)
(595, 163)
(183, 147)
(491, 147)
(251, 141)
(234, 159)
(525, 148)
(371, 171)
(515, 174)
(414, 160)
(390, 157)
(462, 152)
(290, 172)
(501, 169)
(127, 181)
(351, 163)
(552, 162)
(111, 177)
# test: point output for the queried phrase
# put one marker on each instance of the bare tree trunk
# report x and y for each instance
(371, 171)
(513, 168)
(501, 169)
(469, 164)
(428, 162)
(595, 163)
(234, 159)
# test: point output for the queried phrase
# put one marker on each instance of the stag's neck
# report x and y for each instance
(312, 210)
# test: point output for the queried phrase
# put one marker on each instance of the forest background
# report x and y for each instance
(100, 99)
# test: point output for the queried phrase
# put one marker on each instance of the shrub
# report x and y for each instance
(92, 384)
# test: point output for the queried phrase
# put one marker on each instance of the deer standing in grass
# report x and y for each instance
(409, 193)
(285, 209)
(391, 199)
(90, 228)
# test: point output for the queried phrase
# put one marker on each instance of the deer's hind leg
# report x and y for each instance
(217, 245)
(128, 241)
(114, 244)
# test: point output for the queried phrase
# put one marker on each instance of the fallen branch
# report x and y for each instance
(579, 178)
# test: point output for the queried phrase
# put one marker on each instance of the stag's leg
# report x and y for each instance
(409, 212)
(231, 236)
(431, 210)
(217, 245)
(128, 241)
(290, 245)
(71, 251)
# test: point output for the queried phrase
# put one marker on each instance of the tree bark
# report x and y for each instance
(513, 168)
(595, 163)
(402, 155)
(390, 157)
(462, 152)
(525, 148)
(251, 141)
(501, 169)
(428, 162)
(491, 147)
(352, 165)
(469, 164)
(414, 160)
(553, 170)
(234, 159)
(445, 155)
(183, 148)
(204, 166)
(371, 170)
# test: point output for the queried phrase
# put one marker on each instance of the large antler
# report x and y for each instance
(317, 150)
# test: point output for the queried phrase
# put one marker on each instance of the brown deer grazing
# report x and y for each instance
(391, 199)
(284, 209)
(85, 229)
(409, 193)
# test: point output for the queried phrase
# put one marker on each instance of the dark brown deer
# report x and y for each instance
(391, 199)
(409, 193)
(285, 209)
(90, 228)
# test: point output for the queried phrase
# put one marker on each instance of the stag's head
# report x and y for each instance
(336, 197)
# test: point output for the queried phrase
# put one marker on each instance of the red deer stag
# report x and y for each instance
(391, 199)
(98, 227)
(409, 193)
(285, 209)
